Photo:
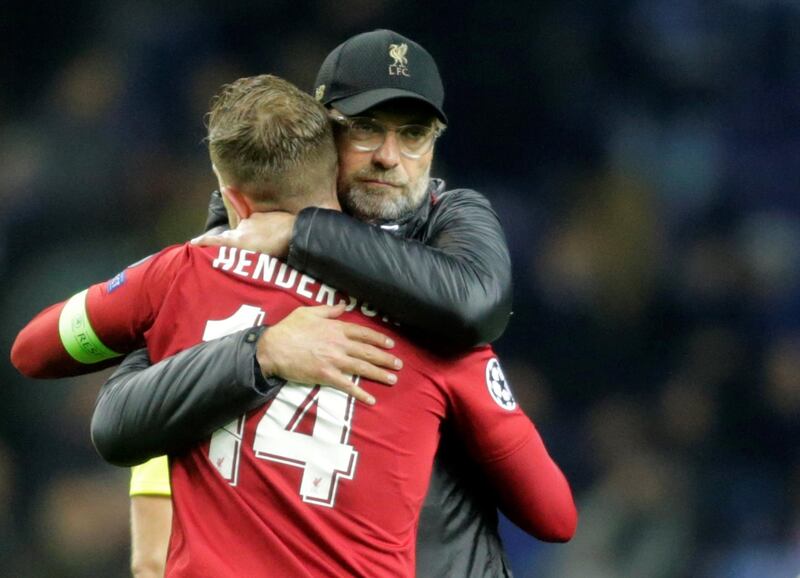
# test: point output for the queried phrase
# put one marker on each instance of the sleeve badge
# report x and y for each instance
(498, 386)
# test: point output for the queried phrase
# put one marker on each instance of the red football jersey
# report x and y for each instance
(312, 483)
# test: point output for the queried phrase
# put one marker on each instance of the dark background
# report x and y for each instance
(643, 155)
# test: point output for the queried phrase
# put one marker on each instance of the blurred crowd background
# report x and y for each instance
(643, 156)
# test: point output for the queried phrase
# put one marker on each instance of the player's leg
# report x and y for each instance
(151, 518)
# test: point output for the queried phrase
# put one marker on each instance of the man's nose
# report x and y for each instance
(388, 154)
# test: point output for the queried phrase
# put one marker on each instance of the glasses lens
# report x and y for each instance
(366, 132)
(415, 137)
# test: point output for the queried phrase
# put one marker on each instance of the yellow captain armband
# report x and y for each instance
(77, 335)
(151, 478)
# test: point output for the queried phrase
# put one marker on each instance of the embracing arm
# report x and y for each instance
(454, 282)
(459, 286)
(533, 492)
(94, 327)
(38, 350)
(530, 487)
(448, 275)
(145, 411)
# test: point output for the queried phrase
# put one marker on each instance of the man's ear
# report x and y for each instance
(238, 201)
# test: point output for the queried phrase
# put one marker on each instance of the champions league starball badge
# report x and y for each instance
(498, 386)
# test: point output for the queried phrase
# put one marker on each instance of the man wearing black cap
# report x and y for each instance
(435, 260)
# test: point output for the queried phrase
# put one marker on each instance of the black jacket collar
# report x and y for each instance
(407, 225)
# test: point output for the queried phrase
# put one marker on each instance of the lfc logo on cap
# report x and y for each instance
(400, 65)
(320, 92)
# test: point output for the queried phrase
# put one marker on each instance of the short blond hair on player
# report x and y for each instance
(270, 139)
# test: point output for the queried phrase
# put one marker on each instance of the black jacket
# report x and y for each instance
(444, 270)
(444, 273)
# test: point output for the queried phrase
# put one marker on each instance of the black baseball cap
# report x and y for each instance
(377, 66)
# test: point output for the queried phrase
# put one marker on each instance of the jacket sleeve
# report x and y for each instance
(454, 282)
(217, 217)
(143, 411)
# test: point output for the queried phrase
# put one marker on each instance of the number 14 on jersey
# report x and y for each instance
(325, 456)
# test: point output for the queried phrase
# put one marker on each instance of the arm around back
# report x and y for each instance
(530, 487)
(450, 276)
(145, 411)
(534, 494)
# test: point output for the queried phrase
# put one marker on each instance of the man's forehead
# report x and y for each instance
(402, 111)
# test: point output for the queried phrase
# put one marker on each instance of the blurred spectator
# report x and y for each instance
(636, 521)
(83, 526)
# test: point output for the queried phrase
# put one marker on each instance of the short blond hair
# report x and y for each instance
(271, 140)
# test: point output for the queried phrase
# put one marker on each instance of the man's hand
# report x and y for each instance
(268, 233)
(310, 346)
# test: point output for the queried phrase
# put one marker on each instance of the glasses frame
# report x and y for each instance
(347, 122)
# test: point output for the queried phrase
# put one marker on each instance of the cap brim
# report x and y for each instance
(358, 103)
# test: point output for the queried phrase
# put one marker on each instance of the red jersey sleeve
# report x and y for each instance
(88, 331)
(531, 489)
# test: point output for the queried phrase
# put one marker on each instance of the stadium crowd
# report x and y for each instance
(642, 156)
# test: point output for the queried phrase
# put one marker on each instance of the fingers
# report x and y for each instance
(340, 369)
(365, 335)
(311, 346)
(326, 311)
(214, 240)
(340, 376)
(366, 370)
(349, 385)
(369, 362)
(362, 395)
(350, 330)
(374, 356)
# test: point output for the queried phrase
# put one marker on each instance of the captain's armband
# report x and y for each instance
(77, 335)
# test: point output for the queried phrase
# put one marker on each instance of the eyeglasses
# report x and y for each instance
(367, 134)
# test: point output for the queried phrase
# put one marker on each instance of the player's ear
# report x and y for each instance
(239, 202)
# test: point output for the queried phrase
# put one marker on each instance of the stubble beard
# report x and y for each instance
(374, 203)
